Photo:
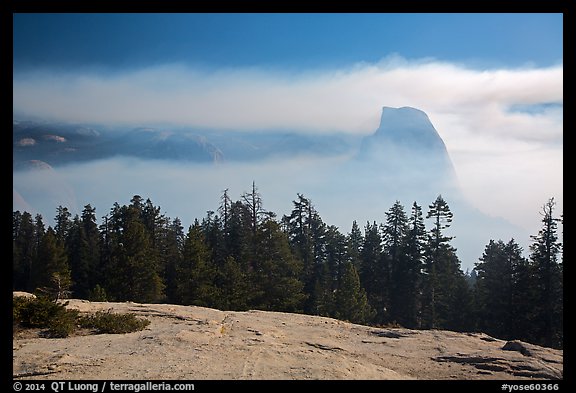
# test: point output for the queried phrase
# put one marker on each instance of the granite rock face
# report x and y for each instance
(195, 343)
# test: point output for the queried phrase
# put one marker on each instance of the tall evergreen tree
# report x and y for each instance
(92, 247)
(544, 255)
(83, 245)
(215, 237)
(351, 302)
(337, 254)
(396, 267)
(254, 216)
(196, 273)
(105, 266)
(63, 223)
(52, 273)
(236, 291)
(172, 251)
(321, 298)
(407, 273)
(23, 250)
(277, 271)
(525, 300)
(501, 297)
(224, 208)
(78, 259)
(328, 271)
(133, 258)
(461, 313)
(306, 232)
(36, 271)
(355, 241)
(253, 201)
(371, 273)
(441, 267)
(39, 229)
(238, 236)
(154, 222)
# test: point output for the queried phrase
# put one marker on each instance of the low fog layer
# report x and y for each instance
(347, 177)
(341, 193)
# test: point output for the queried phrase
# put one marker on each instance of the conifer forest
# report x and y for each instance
(399, 270)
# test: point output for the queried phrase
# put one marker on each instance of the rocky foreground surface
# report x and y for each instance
(196, 343)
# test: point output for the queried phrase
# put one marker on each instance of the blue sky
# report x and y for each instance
(283, 40)
(492, 85)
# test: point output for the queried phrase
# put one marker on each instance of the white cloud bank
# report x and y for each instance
(509, 161)
(348, 100)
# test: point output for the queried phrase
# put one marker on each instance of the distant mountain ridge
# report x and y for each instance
(401, 131)
(58, 144)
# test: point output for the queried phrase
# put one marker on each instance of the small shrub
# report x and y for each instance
(107, 322)
(37, 312)
(98, 294)
(44, 313)
(60, 322)
(63, 323)
(18, 304)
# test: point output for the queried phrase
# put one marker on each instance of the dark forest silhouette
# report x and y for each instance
(401, 271)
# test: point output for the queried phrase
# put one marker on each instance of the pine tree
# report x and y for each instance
(351, 302)
(83, 246)
(92, 246)
(461, 313)
(133, 271)
(544, 255)
(253, 201)
(215, 237)
(404, 244)
(371, 273)
(36, 272)
(234, 287)
(306, 232)
(321, 299)
(238, 236)
(78, 259)
(196, 274)
(336, 255)
(52, 273)
(18, 267)
(63, 223)
(414, 254)
(441, 267)
(395, 232)
(154, 222)
(106, 264)
(254, 215)
(525, 298)
(39, 229)
(277, 271)
(328, 272)
(172, 253)
(224, 208)
(499, 293)
(23, 250)
(355, 240)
